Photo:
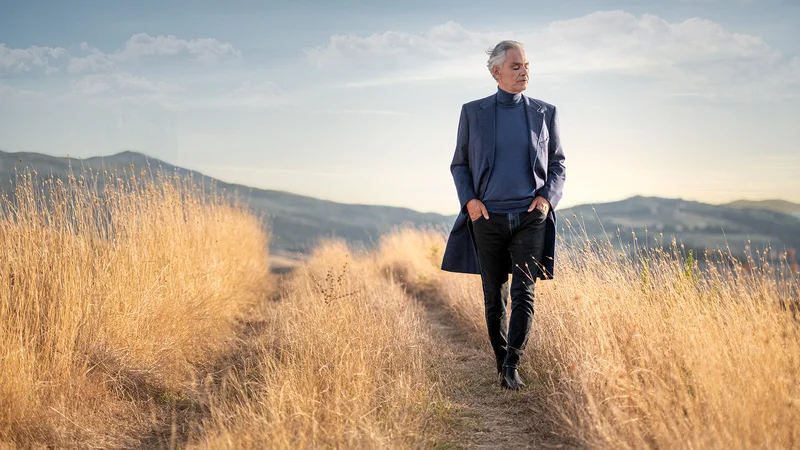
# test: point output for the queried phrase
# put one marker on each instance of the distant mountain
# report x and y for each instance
(296, 222)
(769, 205)
(697, 225)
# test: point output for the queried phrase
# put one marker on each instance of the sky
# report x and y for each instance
(358, 101)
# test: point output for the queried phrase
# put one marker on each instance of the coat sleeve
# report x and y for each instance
(462, 175)
(553, 188)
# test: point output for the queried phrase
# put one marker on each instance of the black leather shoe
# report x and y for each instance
(511, 379)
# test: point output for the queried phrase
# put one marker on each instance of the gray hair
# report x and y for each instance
(497, 55)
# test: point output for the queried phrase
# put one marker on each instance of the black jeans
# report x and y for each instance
(520, 238)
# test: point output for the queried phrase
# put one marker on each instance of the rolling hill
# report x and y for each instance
(769, 205)
(298, 222)
(698, 226)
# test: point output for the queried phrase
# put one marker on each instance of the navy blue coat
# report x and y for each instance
(472, 164)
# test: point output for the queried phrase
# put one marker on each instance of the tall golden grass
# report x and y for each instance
(646, 349)
(112, 299)
(136, 314)
(121, 305)
(346, 363)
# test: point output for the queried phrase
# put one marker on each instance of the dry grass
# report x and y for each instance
(648, 351)
(112, 300)
(345, 364)
(137, 315)
(141, 307)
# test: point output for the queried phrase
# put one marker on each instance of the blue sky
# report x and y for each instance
(358, 101)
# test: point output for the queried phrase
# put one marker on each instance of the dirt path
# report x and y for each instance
(487, 416)
(183, 421)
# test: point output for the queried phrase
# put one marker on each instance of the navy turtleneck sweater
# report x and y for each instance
(511, 187)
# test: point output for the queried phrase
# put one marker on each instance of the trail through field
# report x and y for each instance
(185, 421)
(486, 415)
(483, 415)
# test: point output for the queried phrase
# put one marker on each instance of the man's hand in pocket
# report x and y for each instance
(540, 203)
(475, 208)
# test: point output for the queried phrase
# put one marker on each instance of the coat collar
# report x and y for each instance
(529, 102)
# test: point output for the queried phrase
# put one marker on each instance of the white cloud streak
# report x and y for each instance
(90, 59)
(264, 94)
(691, 57)
(105, 77)
(17, 60)
(10, 92)
(120, 82)
(207, 50)
(249, 94)
(95, 61)
(445, 41)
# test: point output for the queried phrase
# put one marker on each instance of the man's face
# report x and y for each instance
(512, 75)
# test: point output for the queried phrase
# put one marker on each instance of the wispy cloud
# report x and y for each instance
(27, 59)
(448, 40)
(143, 45)
(693, 56)
(122, 75)
(10, 92)
(248, 94)
(121, 82)
(94, 61)
(90, 59)
(265, 93)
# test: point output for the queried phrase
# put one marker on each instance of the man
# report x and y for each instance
(509, 173)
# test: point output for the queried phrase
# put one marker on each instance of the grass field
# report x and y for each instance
(647, 352)
(145, 315)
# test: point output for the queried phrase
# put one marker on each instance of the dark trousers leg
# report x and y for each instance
(526, 247)
(492, 239)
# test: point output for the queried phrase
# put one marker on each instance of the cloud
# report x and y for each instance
(24, 60)
(121, 82)
(95, 61)
(143, 46)
(265, 88)
(205, 49)
(10, 92)
(618, 41)
(249, 94)
(91, 59)
(690, 57)
(447, 41)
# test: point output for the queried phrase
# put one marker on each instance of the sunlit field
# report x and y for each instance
(142, 314)
(346, 362)
(648, 350)
(113, 300)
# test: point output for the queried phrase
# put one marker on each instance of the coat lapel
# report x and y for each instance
(535, 125)
(535, 119)
(486, 119)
